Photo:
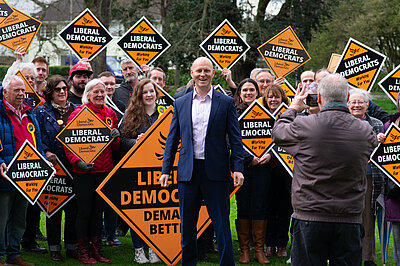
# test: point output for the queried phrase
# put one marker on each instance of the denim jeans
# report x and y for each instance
(12, 216)
(316, 242)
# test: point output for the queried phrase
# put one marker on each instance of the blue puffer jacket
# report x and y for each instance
(50, 129)
(8, 141)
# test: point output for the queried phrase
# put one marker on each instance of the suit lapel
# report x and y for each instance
(188, 111)
(214, 107)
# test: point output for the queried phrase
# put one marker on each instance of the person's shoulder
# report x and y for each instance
(184, 98)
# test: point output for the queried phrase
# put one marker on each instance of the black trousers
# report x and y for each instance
(53, 227)
(32, 224)
(90, 204)
(316, 242)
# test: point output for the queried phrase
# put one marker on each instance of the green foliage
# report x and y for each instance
(373, 22)
(59, 70)
(3, 71)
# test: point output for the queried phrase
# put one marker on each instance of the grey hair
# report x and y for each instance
(127, 60)
(264, 70)
(88, 88)
(334, 88)
(254, 72)
(7, 81)
(366, 94)
(13, 69)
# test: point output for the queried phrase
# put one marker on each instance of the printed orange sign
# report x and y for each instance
(29, 172)
(85, 35)
(133, 190)
(220, 89)
(31, 96)
(163, 98)
(5, 10)
(86, 135)
(18, 29)
(224, 46)
(256, 125)
(335, 58)
(284, 53)
(58, 192)
(143, 43)
(289, 90)
(391, 84)
(387, 155)
(360, 65)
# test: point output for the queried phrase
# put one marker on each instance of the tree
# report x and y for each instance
(373, 22)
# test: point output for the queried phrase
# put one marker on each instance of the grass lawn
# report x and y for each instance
(125, 255)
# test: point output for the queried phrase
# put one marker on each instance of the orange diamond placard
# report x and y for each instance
(133, 190)
(224, 46)
(391, 84)
(284, 53)
(85, 35)
(17, 29)
(289, 90)
(86, 135)
(58, 192)
(387, 155)
(333, 61)
(256, 125)
(360, 65)
(29, 172)
(5, 10)
(284, 158)
(163, 98)
(220, 89)
(31, 96)
(143, 43)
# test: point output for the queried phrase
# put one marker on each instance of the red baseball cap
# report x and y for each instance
(79, 68)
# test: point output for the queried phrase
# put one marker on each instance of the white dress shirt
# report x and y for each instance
(200, 114)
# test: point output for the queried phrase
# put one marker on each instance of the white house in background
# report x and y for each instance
(48, 44)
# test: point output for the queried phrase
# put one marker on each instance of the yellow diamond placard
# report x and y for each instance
(29, 172)
(143, 43)
(284, 53)
(256, 125)
(387, 155)
(224, 46)
(85, 35)
(391, 84)
(17, 29)
(86, 135)
(360, 64)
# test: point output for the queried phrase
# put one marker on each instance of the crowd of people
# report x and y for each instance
(328, 208)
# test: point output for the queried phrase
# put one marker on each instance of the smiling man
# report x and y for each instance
(124, 92)
(202, 121)
(79, 76)
(15, 119)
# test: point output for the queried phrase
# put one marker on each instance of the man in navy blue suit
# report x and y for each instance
(202, 121)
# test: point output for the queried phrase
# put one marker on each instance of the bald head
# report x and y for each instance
(306, 78)
(202, 73)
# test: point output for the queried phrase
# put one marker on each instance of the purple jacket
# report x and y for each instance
(392, 211)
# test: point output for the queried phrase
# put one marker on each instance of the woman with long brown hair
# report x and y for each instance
(139, 116)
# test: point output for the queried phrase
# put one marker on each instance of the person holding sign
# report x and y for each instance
(280, 209)
(88, 176)
(331, 150)
(17, 124)
(52, 117)
(358, 104)
(139, 116)
(392, 200)
(251, 198)
(204, 120)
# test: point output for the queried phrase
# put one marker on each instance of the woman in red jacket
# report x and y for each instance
(88, 176)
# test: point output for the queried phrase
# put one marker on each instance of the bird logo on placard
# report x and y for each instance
(225, 32)
(163, 140)
(27, 155)
(254, 114)
(86, 21)
(353, 51)
(142, 29)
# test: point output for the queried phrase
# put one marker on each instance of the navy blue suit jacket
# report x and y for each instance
(223, 122)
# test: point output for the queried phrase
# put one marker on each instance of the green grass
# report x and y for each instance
(125, 255)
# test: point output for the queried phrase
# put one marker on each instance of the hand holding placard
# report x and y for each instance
(85, 166)
(114, 133)
(3, 168)
(164, 180)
